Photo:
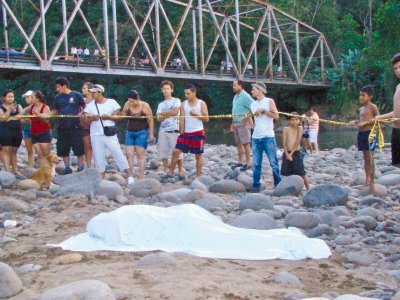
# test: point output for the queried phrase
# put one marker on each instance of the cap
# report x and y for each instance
(28, 93)
(133, 95)
(97, 88)
(261, 86)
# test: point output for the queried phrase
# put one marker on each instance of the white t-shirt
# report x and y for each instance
(264, 125)
(106, 108)
(171, 123)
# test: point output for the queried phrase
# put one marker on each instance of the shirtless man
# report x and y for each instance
(368, 112)
(395, 142)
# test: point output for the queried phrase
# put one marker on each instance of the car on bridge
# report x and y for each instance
(11, 52)
(68, 58)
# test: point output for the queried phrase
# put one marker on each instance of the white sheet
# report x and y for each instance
(190, 229)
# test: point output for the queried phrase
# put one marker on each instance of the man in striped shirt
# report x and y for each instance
(313, 129)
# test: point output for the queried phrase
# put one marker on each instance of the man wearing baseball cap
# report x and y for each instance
(263, 138)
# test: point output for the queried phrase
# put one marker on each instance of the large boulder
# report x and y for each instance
(292, 185)
(78, 183)
(83, 290)
(180, 193)
(145, 188)
(372, 212)
(389, 179)
(110, 189)
(303, 220)
(10, 284)
(28, 184)
(255, 221)
(227, 187)
(193, 196)
(326, 194)
(211, 202)
(255, 202)
(7, 180)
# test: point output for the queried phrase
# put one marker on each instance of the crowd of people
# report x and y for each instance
(181, 130)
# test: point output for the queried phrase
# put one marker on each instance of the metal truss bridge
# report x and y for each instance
(216, 40)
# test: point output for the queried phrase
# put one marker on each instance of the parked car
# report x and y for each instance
(67, 58)
(11, 52)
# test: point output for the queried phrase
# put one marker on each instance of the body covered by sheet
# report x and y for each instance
(190, 229)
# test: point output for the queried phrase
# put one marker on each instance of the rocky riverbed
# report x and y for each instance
(362, 231)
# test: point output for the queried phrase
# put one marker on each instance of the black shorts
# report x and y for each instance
(363, 143)
(306, 135)
(395, 146)
(294, 167)
(10, 141)
(70, 138)
(44, 137)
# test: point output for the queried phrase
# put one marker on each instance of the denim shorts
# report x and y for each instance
(137, 138)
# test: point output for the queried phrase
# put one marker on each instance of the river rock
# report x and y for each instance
(167, 197)
(372, 212)
(145, 188)
(197, 184)
(369, 200)
(159, 259)
(389, 179)
(193, 196)
(320, 229)
(357, 259)
(78, 183)
(28, 184)
(368, 222)
(326, 194)
(7, 180)
(28, 268)
(227, 187)
(255, 221)
(292, 185)
(10, 284)
(110, 189)
(380, 191)
(303, 220)
(28, 172)
(180, 193)
(285, 277)
(206, 180)
(328, 217)
(11, 204)
(211, 202)
(68, 259)
(358, 177)
(83, 289)
(255, 202)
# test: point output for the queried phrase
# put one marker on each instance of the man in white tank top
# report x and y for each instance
(263, 139)
(192, 135)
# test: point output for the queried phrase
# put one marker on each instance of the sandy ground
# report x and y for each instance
(192, 277)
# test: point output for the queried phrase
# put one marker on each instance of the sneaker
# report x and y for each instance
(181, 177)
(166, 176)
(236, 166)
(66, 171)
(80, 168)
(244, 168)
(131, 180)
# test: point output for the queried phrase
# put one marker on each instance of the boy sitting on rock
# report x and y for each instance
(368, 112)
(292, 160)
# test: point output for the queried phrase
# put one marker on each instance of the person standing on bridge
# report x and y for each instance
(395, 140)
(68, 102)
(263, 139)
(169, 126)
(192, 137)
(241, 124)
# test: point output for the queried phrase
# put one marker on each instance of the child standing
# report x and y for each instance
(292, 160)
(368, 112)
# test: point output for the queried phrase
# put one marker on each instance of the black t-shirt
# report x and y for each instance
(69, 104)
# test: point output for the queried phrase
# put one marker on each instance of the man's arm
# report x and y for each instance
(385, 116)
(273, 112)
(182, 120)
(150, 121)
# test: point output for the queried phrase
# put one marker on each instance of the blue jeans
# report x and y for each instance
(268, 145)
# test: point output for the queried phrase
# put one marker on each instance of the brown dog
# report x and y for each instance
(44, 175)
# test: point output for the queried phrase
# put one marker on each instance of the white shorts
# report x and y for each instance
(99, 145)
(313, 136)
(166, 144)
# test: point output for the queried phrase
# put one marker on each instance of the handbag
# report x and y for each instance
(108, 130)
